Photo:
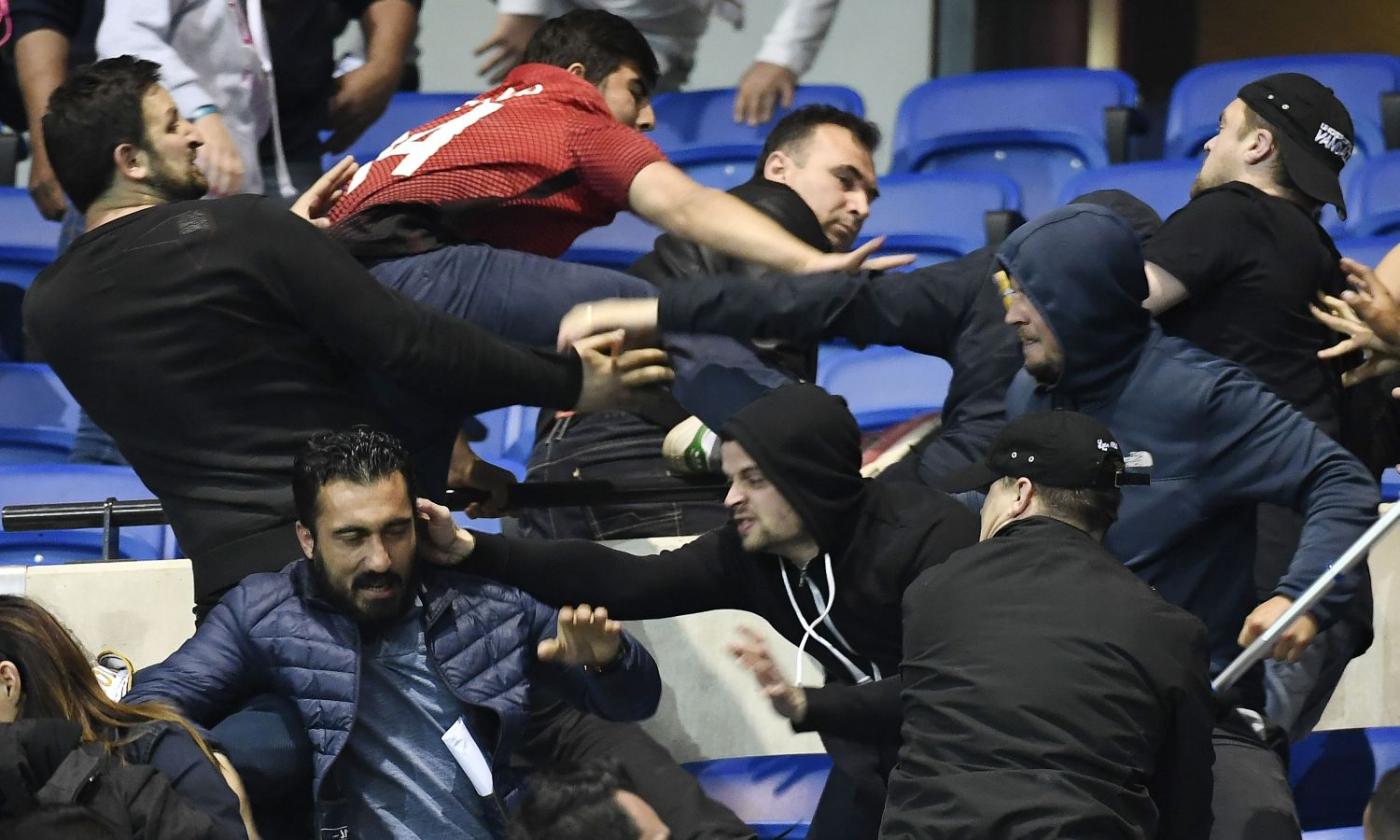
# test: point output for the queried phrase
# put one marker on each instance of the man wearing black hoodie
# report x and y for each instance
(809, 538)
(816, 179)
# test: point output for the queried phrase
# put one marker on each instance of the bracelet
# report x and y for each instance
(204, 111)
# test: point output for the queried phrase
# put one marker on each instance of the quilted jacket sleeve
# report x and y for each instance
(626, 691)
(213, 673)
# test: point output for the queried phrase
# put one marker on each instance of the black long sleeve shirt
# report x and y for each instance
(949, 310)
(212, 338)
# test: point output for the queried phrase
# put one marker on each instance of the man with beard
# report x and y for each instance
(1234, 272)
(413, 681)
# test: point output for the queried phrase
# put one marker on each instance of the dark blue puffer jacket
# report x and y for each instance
(1220, 441)
(274, 633)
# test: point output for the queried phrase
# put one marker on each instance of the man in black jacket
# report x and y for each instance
(809, 537)
(1047, 691)
(815, 178)
(213, 338)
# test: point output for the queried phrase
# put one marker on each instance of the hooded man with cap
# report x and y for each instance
(1047, 691)
(1219, 442)
(1234, 272)
(809, 538)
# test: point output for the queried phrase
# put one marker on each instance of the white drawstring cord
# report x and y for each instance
(810, 630)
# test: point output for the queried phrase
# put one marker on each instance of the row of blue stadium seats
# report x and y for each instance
(1332, 774)
(1039, 127)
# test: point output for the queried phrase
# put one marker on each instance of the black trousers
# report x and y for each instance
(1251, 797)
(562, 734)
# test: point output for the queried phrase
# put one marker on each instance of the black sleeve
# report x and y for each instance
(1203, 243)
(191, 774)
(337, 300)
(1183, 782)
(693, 578)
(868, 712)
(64, 16)
(919, 310)
(676, 260)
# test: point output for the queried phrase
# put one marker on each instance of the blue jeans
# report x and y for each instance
(522, 297)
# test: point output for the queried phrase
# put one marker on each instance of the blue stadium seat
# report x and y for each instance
(1164, 185)
(22, 445)
(405, 111)
(1353, 833)
(696, 127)
(614, 246)
(32, 396)
(510, 434)
(884, 385)
(1040, 127)
(53, 483)
(1373, 201)
(938, 215)
(1368, 250)
(1390, 485)
(1334, 772)
(775, 794)
(28, 241)
(1358, 80)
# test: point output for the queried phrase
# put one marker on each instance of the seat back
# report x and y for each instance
(1334, 772)
(884, 385)
(55, 483)
(938, 215)
(614, 246)
(1358, 80)
(1373, 201)
(31, 395)
(28, 241)
(1163, 185)
(775, 794)
(697, 126)
(1368, 250)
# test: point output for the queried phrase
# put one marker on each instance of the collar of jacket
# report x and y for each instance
(784, 206)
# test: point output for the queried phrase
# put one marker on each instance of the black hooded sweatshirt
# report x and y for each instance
(879, 538)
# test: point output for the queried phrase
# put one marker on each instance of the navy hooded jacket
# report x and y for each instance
(274, 633)
(1220, 441)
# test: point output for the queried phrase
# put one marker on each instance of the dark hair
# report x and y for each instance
(1384, 817)
(794, 129)
(358, 454)
(1279, 164)
(56, 680)
(94, 111)
(1091, 511)
(600, 41)
(574, 803)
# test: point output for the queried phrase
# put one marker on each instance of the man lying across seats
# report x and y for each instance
(1047, 691)
(821, 553)
(212, 338)
(413, 680)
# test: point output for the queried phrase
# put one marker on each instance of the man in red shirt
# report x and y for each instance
(459, 212)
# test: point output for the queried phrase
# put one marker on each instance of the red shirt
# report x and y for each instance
(528, 166)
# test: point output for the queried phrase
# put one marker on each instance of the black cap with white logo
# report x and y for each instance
(1056, 448)
(1313, 125)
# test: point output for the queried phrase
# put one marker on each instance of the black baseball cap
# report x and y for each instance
(1056, 448)
(1313, 125)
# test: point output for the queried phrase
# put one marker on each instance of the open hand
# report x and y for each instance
(857, 260)
(586, 637)
(762, 86)
(1378, 357)
(751, 649)
(1292, 642)
(1372, 300)
(218, 156)
(442, 543)
(315, 203)
(610, 374)
(506, 45)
